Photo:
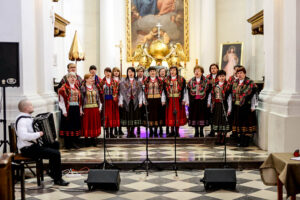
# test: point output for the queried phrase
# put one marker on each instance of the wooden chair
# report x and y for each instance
(21, 162)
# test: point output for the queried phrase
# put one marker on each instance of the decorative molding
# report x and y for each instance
(257, 22)
(60, 26)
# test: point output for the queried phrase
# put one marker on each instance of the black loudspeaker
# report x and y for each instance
(219, 178)
(9, 64)
(103, 179)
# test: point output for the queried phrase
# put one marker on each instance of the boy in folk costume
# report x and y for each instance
(116, 75)
(175, 98)
(70, 105)
(131, 101)
(153, 93)
(220, 102)
(162, 74)
(211, 79)
(91, 120)
(197, 101)
(140, 77)
(110, 89)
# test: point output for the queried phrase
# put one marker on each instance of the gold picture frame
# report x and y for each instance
(231, 54)
(184, 34)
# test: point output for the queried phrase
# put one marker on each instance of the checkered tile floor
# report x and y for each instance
(164, 152)
(158, 185)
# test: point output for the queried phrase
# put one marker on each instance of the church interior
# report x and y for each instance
(149, 99)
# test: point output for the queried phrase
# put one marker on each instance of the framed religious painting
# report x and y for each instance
(147, 20)
(231, 54)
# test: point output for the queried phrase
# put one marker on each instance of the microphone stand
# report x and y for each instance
(147, 162)
(4, 142)
(175, 137)
(105, 162)
(226, 119)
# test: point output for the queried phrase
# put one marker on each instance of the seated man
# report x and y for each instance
(26, 142)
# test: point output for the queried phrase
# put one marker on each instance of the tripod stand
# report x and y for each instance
(105, 162)
(147, 162)
(4, 142)
(175, 137)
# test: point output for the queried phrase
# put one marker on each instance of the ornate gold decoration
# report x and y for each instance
(158, 48)
(60, 26)
(257, 22)
(76, 52)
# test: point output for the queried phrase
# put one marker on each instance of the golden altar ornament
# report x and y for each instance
(76, 52)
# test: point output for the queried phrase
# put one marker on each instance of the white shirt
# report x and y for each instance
(25, 132)
(198, 79)
(214, 76)
(108, 80)
(116, 78)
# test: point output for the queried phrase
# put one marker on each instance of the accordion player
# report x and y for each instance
(45, 122)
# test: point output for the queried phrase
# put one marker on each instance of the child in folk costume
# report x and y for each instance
(211, 79)
(91, 121)
(197, 93)
(93, 71)
(220, 102)
(175, 98)
(116, 75)
(110, 89)
(131, 100)
(140, 77)
(244, 101)
(69, 103)
(153, 92)
(162, 76)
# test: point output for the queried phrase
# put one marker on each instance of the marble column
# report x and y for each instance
(208, 33)
(27, 23)
(279, 105)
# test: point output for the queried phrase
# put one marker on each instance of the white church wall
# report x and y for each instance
(232, 26)
(84, 17)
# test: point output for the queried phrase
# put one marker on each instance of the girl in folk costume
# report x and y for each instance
(162, 76)
(93, 71)
(69, 103)
(91, 121)
(110, 90)
(211, 79)
(131, 100)
(197, 93)
(220, 102)
(116, 74)
(244, 100)
(140, 77)
(153, 92)
(176, 96)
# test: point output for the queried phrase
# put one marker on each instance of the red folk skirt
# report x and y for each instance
(91, 122)
(112, 117)
(181, 115)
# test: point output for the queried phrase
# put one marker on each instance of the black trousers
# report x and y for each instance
(50, 152)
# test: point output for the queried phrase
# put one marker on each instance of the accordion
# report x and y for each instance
(45, 122)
